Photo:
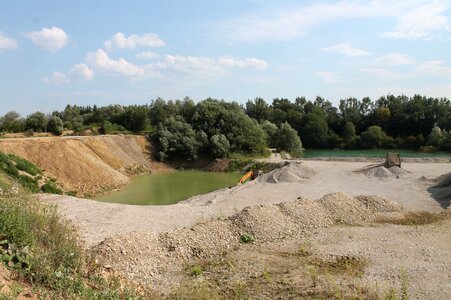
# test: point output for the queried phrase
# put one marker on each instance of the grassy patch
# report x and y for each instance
(255, 273)
(246, 238)
(413, 219)
(25, 165)
(43, 250)
(51, 188)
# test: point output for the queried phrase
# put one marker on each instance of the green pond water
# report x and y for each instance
(371, 153)
(169, 188)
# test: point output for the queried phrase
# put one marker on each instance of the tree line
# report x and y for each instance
(215, 127)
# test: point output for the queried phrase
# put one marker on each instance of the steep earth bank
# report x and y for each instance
(87, 165)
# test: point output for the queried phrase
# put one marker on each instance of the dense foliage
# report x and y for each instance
(216, 128)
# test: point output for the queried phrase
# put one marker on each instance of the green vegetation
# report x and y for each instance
(43, 251)
(51, 188)
(26, 174)
(246, 238)
(214, 128)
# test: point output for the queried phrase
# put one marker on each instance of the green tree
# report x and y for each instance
(287, 139)
(177, 139)
(37, 122)
(315, 130)
(349, 136)
(257, 109)
(373, 137)
(435, 138)
(271, 133)
(219, 145)
(55, 125)
(11, 122)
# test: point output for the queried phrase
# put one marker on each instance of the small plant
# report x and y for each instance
(246, 238)
(196, 270)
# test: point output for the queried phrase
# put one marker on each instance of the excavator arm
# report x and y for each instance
(245, 177)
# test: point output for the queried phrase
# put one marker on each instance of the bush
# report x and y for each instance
(55, 125)
(29, 183)
(246, 238)
(51, 188)
(109, 128)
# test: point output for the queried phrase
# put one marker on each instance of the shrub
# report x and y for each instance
(51, 188)
(55, 125)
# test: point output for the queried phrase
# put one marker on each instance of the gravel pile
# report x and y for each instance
(441, 191)
(381, 172)
(293, 172)
(152, 258)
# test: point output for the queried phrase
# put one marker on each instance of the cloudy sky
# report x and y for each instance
(103, 52)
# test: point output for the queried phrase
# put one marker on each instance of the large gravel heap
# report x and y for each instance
(292, 172)
(149, 258)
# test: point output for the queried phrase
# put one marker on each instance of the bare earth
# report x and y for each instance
(152, 244)
(98, 220)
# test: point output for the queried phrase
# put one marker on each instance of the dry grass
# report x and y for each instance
(251, 273)
(414, 218)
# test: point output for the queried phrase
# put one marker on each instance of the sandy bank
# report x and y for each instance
(88, 164)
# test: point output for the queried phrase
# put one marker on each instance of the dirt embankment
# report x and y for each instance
(87, 165)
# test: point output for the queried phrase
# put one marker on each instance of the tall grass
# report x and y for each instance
(44, 250)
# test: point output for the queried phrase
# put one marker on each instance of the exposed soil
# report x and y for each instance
(87, 165)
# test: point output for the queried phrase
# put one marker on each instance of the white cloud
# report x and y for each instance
(206, 67)
(387, 74)
(57, 78)
(394, 59)
(119, 40)
(100, 61)
(327, 77)
(77, 72)
(6, 42)
(346, 50)
(294, 21)
(421, 22)
(146, 55)
(433, 67)
(244, 63)
(81, 71)
(51, 39)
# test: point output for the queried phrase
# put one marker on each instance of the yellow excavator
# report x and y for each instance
(246, 176)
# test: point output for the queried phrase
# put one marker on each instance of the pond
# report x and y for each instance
(169, 188)
(371, 153)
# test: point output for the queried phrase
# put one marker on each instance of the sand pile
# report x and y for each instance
(292, 172)
(148, 258)
(380, 171)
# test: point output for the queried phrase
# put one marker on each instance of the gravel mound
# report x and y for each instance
(381, 172)
(152, 259)
(441, 191)
(293, 172)
(264, 222)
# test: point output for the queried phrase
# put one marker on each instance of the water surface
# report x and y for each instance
(169, 188)
(371, 153)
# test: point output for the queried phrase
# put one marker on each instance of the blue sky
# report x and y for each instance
(54, 53)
